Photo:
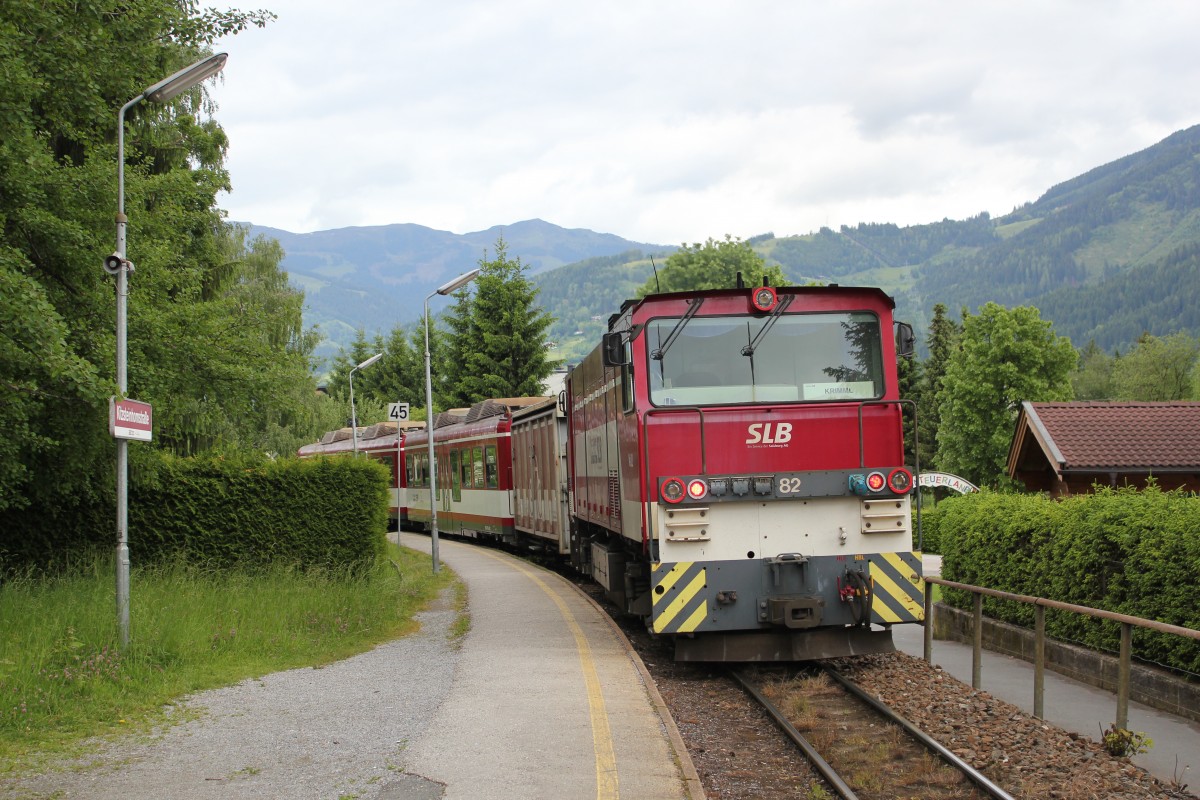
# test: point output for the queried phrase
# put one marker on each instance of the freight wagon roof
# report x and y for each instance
(536, 408)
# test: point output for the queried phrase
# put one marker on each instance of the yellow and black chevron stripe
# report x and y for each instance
(680, 602)
(898, 588)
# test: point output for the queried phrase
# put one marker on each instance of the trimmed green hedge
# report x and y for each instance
(220, 512)
(1132, 551)
(931, 531)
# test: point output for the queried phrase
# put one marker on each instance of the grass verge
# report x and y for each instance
(63, 679)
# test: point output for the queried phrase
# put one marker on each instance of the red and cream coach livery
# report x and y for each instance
(474, 472)
(737, 471)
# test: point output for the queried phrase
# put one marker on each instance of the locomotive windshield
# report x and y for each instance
(802, 358)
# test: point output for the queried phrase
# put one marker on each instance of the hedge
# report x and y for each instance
(1136, 552)
(931, 536)
(329, 513)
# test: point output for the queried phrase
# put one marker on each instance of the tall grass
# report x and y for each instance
(63, 678)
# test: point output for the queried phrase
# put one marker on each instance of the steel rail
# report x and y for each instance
(974, 775)
(819, 763)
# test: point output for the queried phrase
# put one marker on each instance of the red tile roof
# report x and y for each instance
(1125, 435)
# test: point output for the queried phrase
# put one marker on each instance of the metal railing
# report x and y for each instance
(1040, 605)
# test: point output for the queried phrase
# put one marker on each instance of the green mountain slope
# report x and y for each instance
(1106, 256)
(375, 278)
(1124, 218)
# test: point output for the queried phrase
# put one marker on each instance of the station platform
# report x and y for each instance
(1069, 704)
(547, 699)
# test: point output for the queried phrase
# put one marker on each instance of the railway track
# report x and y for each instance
(740, 755)
(859, 746)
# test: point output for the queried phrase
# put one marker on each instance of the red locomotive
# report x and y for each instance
(727, 464)
(737, 471)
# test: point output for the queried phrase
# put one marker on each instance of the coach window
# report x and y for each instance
(493, 481)
(455, 475)
(477, 466)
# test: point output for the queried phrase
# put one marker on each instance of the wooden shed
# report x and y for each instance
(1065, 448)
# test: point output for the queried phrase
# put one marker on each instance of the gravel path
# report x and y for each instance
(336, 731)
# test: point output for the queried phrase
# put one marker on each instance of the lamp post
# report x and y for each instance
(117, 264)
(457, 283)
(353, 417)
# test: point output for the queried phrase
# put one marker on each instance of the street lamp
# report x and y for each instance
(353, 418)
(457, 283)
(117, 264)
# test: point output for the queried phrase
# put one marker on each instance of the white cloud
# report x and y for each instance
(674, 121)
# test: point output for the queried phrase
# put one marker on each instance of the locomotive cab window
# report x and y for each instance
(801, 358)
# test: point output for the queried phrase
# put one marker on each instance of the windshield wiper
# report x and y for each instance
(749, 349)
(658, 354)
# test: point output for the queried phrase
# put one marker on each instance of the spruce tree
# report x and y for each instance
(943, 340)
(499, 344)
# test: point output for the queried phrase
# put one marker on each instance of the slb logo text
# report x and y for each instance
(769, 433)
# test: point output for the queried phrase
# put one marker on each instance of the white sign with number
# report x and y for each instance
(397, 412)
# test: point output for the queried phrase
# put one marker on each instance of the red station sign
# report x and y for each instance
(130, 419)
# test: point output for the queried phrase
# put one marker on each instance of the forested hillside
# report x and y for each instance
(1159, 298)
(581, 297)
(1106, 256)
(829, 254)
(372, 278)
(1103, 254)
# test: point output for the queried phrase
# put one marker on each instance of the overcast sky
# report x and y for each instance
(668, 122)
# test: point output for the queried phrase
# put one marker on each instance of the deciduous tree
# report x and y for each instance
(214, 336)
(1005, 356)
(1094, 378)
(712, 265)
(1158, 368)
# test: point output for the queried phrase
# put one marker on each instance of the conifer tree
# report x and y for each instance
(943, 340)
(497, 341)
